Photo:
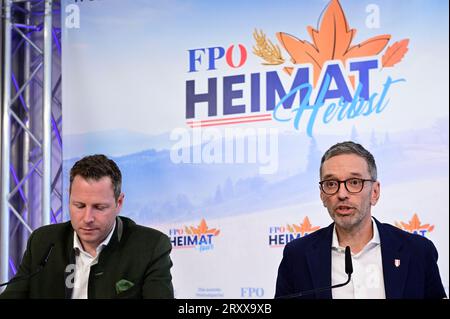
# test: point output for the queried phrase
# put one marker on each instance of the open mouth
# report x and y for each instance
(344, 210)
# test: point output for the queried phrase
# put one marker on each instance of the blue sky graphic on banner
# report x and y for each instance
(218, 113)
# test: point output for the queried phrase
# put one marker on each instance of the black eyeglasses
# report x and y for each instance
(352, 185)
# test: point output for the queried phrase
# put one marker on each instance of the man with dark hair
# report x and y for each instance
(98, 254)
(388, 262)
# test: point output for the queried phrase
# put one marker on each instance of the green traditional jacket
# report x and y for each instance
(134, 264)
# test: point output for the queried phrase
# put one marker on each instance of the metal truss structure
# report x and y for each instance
(31, 145)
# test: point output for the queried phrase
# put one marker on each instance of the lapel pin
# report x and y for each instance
(397, 263)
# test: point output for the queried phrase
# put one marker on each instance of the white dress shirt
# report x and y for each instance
(367, 278)
(83, 263)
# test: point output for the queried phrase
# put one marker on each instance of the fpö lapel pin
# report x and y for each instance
(397, 263)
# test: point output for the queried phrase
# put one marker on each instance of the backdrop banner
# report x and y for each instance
(218, 113)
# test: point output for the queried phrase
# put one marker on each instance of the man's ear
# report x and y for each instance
(119, 201)
(375, 194)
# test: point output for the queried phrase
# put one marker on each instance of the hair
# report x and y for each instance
(95, 167)
(350, 147)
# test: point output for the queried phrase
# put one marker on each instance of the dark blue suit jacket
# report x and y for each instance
(306, 265)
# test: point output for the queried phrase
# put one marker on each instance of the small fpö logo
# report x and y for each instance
(415, 226)
(252, 292)
(200, 237)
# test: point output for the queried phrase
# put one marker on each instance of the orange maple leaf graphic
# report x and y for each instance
(331, 42)
(414, 225)
(203, 229)
(305, 227)
(395, 53)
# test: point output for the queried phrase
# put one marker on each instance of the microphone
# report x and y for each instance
(348, 262)
(39, 268)
(348, 271)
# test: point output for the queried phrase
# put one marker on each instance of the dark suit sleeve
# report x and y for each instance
(433, 283)
(20, 288)
(284, 279)
(158, 280)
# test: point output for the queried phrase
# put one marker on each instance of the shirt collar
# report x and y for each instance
(78, 247)
(373, 242)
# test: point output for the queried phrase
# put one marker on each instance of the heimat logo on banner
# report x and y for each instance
(279, 236)
(332, 79)
(200, 237)
(331, 68)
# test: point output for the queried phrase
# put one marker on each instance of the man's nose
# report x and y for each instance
(88, 215)
(342, 193)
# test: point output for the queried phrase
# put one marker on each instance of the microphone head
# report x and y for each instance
(47, 255)
(348, 261)
(34, 273)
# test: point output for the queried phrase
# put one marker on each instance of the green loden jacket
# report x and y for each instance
(134, 264)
